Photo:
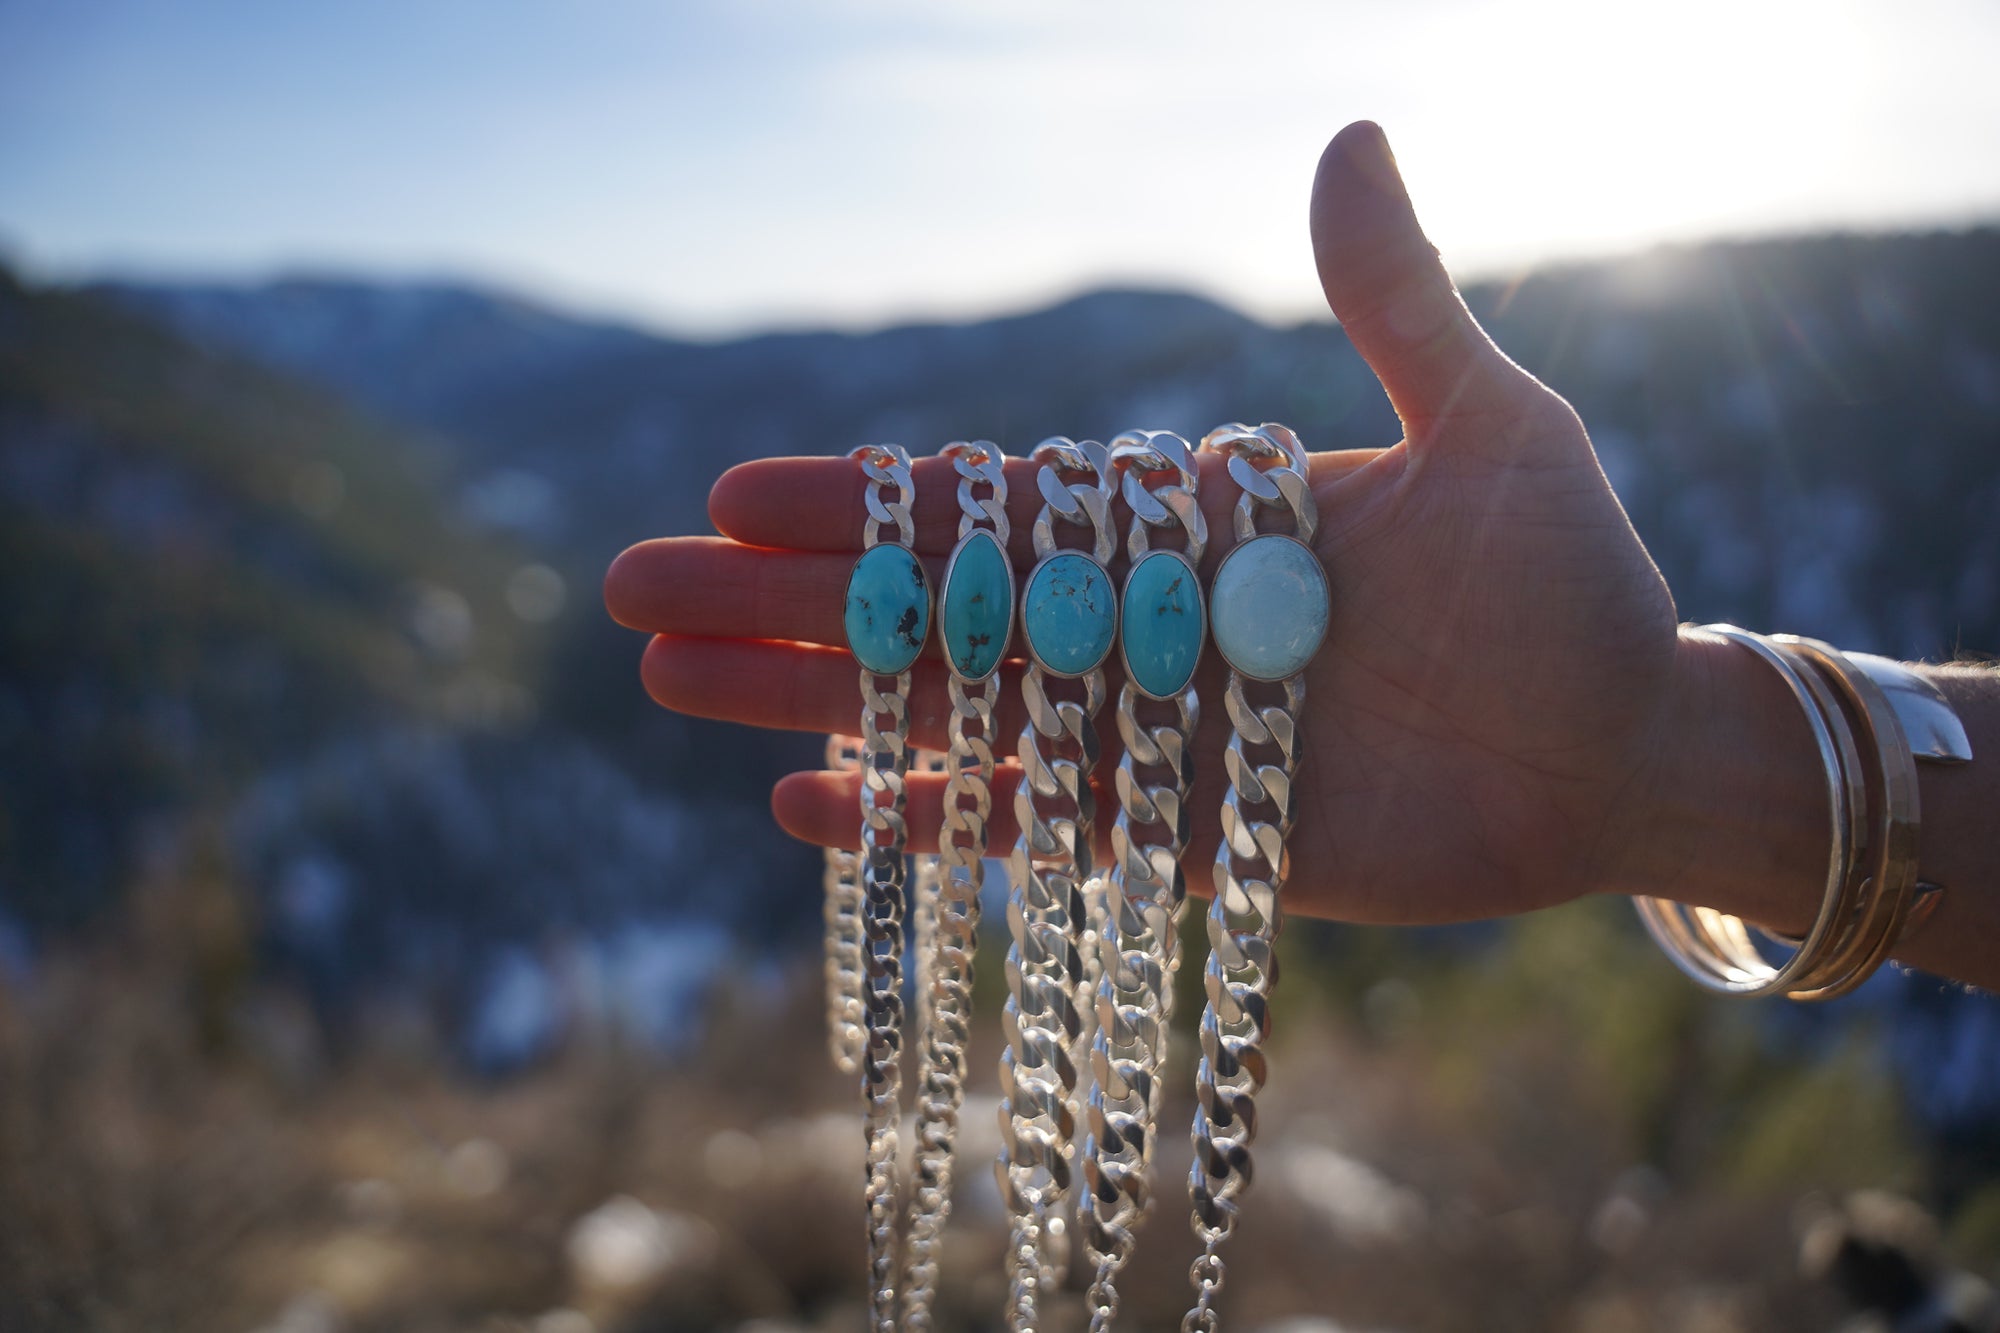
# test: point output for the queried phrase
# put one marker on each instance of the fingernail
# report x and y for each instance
(1373, 158)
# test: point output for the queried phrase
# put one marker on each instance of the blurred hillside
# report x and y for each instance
(327, 790)
(1803, 430)
(1780, 416)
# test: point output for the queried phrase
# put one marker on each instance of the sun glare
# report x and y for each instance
(903, 159)
(1608, 126)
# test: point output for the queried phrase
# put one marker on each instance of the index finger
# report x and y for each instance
(819, 504)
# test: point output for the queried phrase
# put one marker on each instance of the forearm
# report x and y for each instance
(1733, 812)
(1960, 806)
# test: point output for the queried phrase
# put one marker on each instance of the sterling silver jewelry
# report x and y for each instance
(1873, 722)
(975, 623)
(1162, 623)
(846, 1027)
(887, 616)
(1069, 618)
(1268, 615)
(926, 887)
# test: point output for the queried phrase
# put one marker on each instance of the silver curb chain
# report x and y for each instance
(884, 835)
(1048, 915)
(1092, 957)
(953, 939)
(846, 1020)
(1251, 864)
(1141, 945)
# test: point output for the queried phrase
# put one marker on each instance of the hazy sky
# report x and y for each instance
(711, 166)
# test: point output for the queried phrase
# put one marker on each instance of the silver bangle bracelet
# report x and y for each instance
(1689, 935)
(1873, 722)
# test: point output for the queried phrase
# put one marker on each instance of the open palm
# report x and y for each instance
(1501, 657)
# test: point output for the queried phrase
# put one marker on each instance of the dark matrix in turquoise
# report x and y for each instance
(888, 611)
(976, 609)
(1161, 625)
(1070, 613)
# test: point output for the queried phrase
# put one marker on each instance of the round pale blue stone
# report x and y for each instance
(1069, 613)
(1268, 607)
(976, 608)
(888, 609)
(1160, 624)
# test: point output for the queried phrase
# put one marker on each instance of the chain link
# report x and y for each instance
(887, 467)
(954, 939)
(885, 731)
(1141, 945)
(926, 889)
(1205, 1274)
(1251, 865)
(846, 1028)
(1091, 959)
(1049, 982)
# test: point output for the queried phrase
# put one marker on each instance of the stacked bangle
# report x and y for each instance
(1862, 711)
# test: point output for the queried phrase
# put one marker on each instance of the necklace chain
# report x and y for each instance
(1141, 949)
(1092, 956)
(885, 758)
(1049, 981)
(1251, 865)
(846, 1025)
(959, 870)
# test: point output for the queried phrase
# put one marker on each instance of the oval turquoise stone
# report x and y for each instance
(1160, 623)
(1069, 613)
(1268, 607)
(976, 608)
(888, 609)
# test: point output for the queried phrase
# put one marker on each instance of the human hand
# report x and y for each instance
(1492, 723)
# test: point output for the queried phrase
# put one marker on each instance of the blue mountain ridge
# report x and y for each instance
(1803, 430)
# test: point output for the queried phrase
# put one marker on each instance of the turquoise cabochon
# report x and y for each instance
(1069, 613)
(888, 610)
(976, 606)
(1161, 623)
(1268, 607)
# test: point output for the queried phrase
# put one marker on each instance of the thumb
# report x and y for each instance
(1384, 281)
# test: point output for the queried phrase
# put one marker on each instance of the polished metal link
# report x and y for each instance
(926, 887)
(1205, 1274)
(885, 731)
(1141, 944)
(981, 467)
(1280, 485)
(948, 952)
(1049, 982)
(846, 1026)
(890, 494)
(1261, 760)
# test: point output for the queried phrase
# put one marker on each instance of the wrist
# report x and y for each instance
(1728, 806)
